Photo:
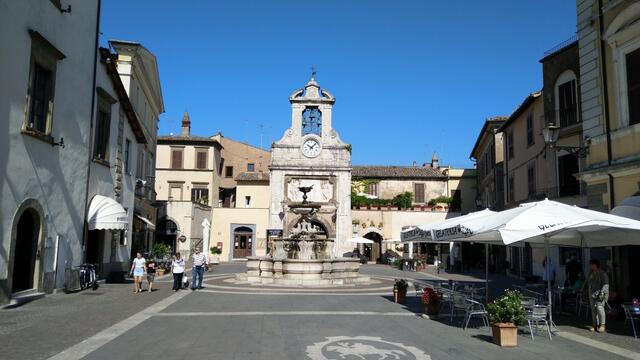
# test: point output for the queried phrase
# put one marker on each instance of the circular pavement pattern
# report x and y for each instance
(363, 348)
(227, 284)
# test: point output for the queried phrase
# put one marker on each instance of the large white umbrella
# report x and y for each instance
(554, 223)
(360, 240)
(443, 230)
(550, 222)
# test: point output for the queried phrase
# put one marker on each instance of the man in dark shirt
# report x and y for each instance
(151, 272)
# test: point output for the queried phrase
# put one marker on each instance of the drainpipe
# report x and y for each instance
(85, 228)
(605, 95)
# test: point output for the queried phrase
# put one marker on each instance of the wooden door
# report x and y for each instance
(242, 245)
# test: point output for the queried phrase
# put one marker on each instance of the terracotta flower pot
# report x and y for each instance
(431, 309)
(505, 334)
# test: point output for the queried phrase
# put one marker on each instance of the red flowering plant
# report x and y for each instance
(430, 297)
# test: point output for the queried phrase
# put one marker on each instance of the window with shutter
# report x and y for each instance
(567, 103)
(418, 193)
(633, 86)
(530, 137)
(176, 158)
(200, 195)
(510, 149)
(372, 189)
(201, 160)
(102, 130)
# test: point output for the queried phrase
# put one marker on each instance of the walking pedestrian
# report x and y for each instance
(598, 292)
(151, 272)
(199, 262)
(138, 269)
(177, 269)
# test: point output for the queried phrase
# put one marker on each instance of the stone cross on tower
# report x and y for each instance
(313, 72)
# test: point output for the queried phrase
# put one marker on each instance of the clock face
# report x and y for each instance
(311, 148)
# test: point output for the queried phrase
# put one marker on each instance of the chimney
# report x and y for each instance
(435, 163)
(186, 125)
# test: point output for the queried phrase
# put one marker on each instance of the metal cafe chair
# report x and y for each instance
(629, 317)
(458, 304)
(538, 316)
(528, 303)
(475, 309)
(582, 303)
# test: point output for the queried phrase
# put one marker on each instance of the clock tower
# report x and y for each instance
(311, 154)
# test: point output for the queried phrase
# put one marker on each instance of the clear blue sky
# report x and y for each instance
(410, 77)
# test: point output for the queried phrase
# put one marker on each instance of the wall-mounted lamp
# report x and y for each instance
(67, 10)
(550, 135)
(59, 143)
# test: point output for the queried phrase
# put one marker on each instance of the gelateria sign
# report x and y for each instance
(415, 234)
(454, 232)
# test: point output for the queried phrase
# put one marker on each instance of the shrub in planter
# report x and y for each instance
(400, 291)
(505, 314)
(431, 301)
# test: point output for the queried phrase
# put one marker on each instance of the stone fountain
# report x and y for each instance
(306, 257)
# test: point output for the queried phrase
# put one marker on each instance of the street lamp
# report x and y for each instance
(550, 135)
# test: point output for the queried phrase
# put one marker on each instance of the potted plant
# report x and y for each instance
(505, 314)
(216, 251)
(431, 301)
(400, 291)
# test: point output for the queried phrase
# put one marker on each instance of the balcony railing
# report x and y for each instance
(561, 46)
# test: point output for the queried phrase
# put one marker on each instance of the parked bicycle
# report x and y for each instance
(88, 277)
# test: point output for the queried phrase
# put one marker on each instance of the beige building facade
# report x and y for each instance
(139, 73)
(489, 157)
(241, 231)
(235, 158)
(187, 182)
(609, 50)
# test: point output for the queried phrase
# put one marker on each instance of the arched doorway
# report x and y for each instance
(242, 242)
(373, 251)
(167, 233)
(26, 251)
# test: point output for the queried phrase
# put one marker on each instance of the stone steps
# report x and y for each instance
(23, 297)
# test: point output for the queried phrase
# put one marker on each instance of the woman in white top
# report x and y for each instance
(177, 268)
(138, 268)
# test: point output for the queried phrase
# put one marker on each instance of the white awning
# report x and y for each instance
(106, 214)
(150, 225)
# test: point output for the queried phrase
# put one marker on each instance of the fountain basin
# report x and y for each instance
(297, 272)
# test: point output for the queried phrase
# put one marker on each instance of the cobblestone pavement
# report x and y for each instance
(231, 321)
(42, 328)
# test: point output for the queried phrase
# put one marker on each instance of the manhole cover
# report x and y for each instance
(363, 348)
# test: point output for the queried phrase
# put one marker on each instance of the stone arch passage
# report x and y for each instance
(26, 251)
(373, 251)
(167, 233)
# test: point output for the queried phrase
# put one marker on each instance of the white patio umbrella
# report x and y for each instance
(447, 231)
(550, 222)
(360, 240)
